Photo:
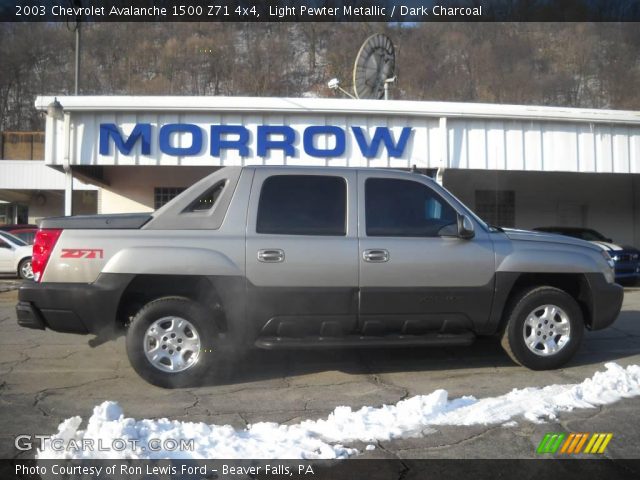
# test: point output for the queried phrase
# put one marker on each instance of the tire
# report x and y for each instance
(182, 337)
(24, 269)
(536, 336)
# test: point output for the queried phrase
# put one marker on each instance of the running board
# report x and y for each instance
(434, 340)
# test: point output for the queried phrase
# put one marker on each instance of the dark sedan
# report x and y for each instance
(626, 258)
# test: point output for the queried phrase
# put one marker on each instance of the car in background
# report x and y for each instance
(625, 258)
(15, 256)
(25, 232)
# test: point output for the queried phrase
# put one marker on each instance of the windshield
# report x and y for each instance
(592, 236)
(13, 239)
(466, 210)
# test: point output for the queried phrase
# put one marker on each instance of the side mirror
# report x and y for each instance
(466, 229)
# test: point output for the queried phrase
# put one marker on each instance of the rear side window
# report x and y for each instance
(404, 208)
(303, 205)
(208, 199)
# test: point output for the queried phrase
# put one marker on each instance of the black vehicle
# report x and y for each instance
(626, 258)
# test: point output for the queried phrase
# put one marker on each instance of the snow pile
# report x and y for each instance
(324, 438)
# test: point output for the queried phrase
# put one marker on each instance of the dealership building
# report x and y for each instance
(520, 166)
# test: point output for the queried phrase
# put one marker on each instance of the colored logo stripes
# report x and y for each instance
(573, 443)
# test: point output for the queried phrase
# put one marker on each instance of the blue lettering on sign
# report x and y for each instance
(265, 143)
(170, 128)
(311, 132)
(381, 135)
(268, 138)
(142, 131)
(217, 143)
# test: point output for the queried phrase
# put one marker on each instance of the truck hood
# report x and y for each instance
(612, 247)
(530, 236)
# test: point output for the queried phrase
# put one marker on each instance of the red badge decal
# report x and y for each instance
(82, 253)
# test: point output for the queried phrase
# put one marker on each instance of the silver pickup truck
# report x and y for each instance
(301, 257)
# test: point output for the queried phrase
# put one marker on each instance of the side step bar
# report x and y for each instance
(350, 341)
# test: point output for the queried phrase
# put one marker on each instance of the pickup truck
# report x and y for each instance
(312, 257)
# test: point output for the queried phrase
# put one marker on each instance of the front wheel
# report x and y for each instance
(544, 328)
(25, 272)
(171, 342)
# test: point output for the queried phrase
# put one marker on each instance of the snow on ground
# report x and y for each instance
(325, 438)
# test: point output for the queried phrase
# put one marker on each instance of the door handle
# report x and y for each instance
(271, 255)
(376, 256)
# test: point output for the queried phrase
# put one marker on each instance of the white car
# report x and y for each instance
(15, 256)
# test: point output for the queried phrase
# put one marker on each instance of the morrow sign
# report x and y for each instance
(239, 138)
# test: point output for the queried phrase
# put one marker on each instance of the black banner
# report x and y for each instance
(409, 11)
(547, 469)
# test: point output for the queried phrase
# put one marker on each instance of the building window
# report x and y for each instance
(303, 205)
(497, 207)
(163, 195)
(13, 213)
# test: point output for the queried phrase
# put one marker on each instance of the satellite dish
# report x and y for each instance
(374, 66)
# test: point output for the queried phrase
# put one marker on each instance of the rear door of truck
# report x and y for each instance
(302, 250)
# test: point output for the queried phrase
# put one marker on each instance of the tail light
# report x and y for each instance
(42, 247)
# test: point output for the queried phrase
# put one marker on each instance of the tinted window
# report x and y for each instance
(303, 205)
(403, 208)
(208, 199)
(13, 239)
(27, 237)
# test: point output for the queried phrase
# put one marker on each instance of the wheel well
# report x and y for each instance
(145, 288)
(22, 260)
(575, 284)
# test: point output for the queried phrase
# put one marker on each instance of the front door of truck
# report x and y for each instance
(301, 253)
(416, 276)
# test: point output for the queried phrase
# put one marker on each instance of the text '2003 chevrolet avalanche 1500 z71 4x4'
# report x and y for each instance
(302, 257)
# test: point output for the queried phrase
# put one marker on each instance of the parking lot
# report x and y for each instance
(46, 377)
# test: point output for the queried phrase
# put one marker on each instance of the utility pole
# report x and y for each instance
(68, 171)
(77, 76)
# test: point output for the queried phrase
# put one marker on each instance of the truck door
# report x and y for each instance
(416, 276)
(301, 253)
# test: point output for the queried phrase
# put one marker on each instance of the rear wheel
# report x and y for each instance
(544, 328)
(172, 342)
(25, 271)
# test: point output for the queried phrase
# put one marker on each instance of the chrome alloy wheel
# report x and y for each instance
(172, 344)
(546, 330)
(26, 270)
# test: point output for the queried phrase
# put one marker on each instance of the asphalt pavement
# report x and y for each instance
(46, 377)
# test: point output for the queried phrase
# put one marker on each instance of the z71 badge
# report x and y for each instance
(82, 253)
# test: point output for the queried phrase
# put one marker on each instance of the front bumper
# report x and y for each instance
(627, 271)
(605, 303)
(72, 307)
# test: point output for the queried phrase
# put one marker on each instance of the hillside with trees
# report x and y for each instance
(566, 64)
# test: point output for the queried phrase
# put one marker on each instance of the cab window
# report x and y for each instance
(303, 205)
(404, 208)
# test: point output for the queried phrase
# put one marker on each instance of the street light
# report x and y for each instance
(334, 84)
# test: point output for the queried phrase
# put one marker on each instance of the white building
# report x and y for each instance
(518, 166)
(30, 190)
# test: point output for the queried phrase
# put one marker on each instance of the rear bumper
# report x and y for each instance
(606, 301)
(29, 317)
(72, 307)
